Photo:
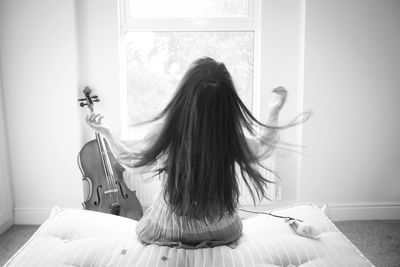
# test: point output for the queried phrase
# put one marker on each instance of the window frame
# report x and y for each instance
(253, 23)
(199, 24)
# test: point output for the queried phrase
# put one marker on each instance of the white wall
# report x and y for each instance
(40, 82)
(352, 81)
(98, 43)
(282, 30)
(6, 197)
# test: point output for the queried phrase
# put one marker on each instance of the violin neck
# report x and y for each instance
(108, 170)
(103, 154)
(98, 136)
(104, 157)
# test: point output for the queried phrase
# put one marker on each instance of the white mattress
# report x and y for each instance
(85, 238)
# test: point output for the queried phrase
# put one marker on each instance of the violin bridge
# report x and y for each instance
(111, 191)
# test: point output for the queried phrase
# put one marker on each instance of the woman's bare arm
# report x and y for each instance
(123, 151)
(264, 143)
(117, 146)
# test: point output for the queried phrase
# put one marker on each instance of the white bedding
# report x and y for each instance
(84, 238)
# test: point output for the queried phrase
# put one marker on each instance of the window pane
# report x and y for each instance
(156, 61)
(188, 8)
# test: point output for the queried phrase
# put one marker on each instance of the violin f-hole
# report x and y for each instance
(97, 202)
(125, 196)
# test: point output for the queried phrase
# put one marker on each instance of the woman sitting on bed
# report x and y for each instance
(207, 140)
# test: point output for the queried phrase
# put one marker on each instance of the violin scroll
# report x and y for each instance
(88, 100)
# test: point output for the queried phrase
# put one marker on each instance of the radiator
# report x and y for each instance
(147, 191)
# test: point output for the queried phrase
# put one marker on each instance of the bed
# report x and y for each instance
(85, 238)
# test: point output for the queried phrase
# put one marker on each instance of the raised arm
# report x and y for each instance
(264, 143)
(118, 147)
(123, 151)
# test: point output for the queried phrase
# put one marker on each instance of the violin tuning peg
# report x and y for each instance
(96, 100)
(83, 104)
(81, 99)
(95, 96)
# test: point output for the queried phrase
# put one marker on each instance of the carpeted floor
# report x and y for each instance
(379, 241)
(13, 239)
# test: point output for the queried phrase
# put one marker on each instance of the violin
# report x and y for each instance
(108, 192)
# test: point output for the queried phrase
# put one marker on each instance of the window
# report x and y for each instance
(160, 39)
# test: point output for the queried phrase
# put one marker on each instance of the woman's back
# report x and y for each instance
(162, 226)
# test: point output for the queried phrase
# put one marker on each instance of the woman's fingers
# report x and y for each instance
(91, 116)
(94, 118)
(94, 121)
(278, 98)
(280, 90)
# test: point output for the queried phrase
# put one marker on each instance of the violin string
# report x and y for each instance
(101, 149)
(112, 178)
(109, 172)
(102, 155)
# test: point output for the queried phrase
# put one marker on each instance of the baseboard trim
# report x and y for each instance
(349, 211)
(352, 211)
(7, 224)
(31, 216)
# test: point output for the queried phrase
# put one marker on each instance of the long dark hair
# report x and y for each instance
(203, 144)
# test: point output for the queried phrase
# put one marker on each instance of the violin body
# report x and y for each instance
(98, 200)
(107, 192)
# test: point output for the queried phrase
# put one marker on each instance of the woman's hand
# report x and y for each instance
(278, 99)
(94, 122)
